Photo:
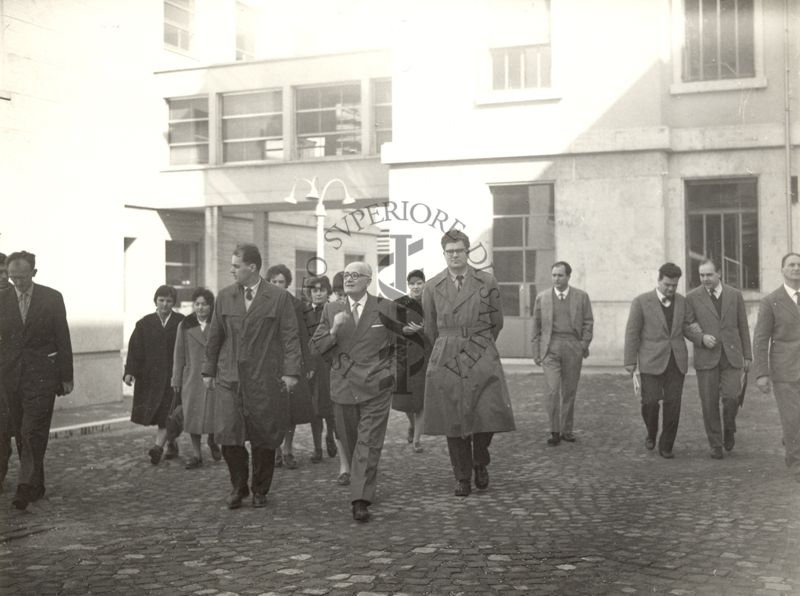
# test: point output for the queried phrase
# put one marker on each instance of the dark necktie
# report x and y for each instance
(561, 296)
(248, 294)
(459, 282)
(797, 299)
(665, 301)
(355, 313)
(23, 306)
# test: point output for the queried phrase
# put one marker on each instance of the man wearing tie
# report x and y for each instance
(721, 353)
(562, 332)
(654, 344)
(356, 336)
(253, 359)
(776, 345)
(35, 366)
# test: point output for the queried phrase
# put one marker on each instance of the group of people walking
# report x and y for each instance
(253, 363)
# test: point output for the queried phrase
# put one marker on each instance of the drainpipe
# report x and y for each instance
(787, 128)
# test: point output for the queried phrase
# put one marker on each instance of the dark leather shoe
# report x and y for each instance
(568, 437)
(193, 463)
(289, 461)
(330, 445)
(463, 489)
(155, 454)
(216, 452)
(716, 453)
(666, 454)
(555, 439)
(259, 500)
(729, 440)
(343, 479)
(172, 450)
(317, 457)
(649, 444)
(235, 498)
(20, 500)
(481, 477)
(360, 511)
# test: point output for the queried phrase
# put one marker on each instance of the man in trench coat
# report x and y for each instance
(253, 359)
(466, 396)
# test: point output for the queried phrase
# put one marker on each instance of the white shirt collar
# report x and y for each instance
(717, 289)
(164, 321)
(254, 287)
(661, 296)
(361, 303)
(791, 291)
(557, 291)
(29, 292)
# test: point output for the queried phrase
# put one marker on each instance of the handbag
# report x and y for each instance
(175, 418)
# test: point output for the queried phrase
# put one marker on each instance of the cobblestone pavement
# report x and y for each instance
(601, 516)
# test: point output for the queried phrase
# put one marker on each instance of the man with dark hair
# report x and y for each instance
(301, 410)
(356, 336)
(466, 396)
(35, 366)
(776, 344)
(562, 332)
(253, 358)
(655, 349)
(721, 353)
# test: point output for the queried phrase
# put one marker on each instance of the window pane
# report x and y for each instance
(507, 231)
(243, 128)
(383, 92)
(537, 66)
(510, 200)
(178, 16)
(713, 230)
(172, 35)
(189, 154)
(182, 109)
(750, 273)
(530, 266)
(330, 97)
(187, 132)
(308, 122)
(307, 99)
(692, 42)
(383, 136)
(498, 69)
(383, 116)
(509, 298)
(514, 68)
(746, 47)
(251, 103)
(709, 40)
(508, 265)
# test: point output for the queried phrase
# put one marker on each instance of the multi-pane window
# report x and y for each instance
(252, 126)
(246, 27)
(328, 121)
(719, 40)
(523, 243)
(722, 220)
(382, 101)
(526, 67)
(188, 130)
(182, 268)
(178, 23)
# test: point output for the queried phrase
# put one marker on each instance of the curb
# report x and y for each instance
(89, 428)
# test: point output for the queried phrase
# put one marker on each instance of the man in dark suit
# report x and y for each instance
(721, 353)
(5, 423)
(776, 344)
(36, 365)
(356, 336)
(655, 348)
(253, 360)
(562, 332)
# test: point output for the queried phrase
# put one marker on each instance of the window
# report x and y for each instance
(328, 121)
(719, 40)
(252, 126)
(305, 267)
(182, 268)
(523, 240)
(521, 67)
(188, 131)
(246, 27)
(178, 23)
(382, 100)
(722, 220)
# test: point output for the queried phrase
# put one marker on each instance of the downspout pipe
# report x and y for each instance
(787, 128)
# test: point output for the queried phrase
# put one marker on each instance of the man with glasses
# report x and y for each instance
(356, 336)
(776, 346)
(466, 396)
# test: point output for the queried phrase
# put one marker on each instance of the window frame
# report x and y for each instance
(189, 33)
(679, 86)
(356, 133)
(171, 121)
(375, 105)
(222, 118)
(704, 212)
(184, 292)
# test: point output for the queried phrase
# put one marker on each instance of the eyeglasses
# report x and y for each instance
(354, 275)
(455, 251)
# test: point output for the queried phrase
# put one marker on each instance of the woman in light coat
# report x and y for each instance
(198, 402)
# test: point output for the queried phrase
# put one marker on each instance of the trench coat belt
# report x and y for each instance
(461, 331)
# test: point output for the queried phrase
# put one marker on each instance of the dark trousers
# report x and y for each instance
(316, 429)
(465, 453)
(30, 415)
(666, 387)
(5, 435)
(721, 382)
(237, 458)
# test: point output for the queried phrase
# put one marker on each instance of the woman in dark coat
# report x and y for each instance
(413, 350)
(149, 368)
